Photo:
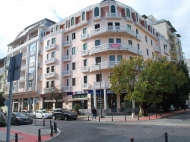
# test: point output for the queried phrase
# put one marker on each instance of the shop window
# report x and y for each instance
(96, 12)
(113, 9)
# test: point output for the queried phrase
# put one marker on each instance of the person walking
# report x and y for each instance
(93, 113)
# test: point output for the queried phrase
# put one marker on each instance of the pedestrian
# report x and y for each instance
(93, 113)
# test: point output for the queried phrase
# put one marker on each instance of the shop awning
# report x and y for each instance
(77, 99)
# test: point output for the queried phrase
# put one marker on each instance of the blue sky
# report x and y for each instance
(15, 15)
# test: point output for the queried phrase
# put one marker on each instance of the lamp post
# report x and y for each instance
(100, 99)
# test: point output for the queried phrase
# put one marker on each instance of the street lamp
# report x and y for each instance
(100, 99)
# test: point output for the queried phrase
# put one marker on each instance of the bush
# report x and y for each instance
(2, 124)
(76, 108)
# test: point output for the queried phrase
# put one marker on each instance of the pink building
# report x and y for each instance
(69, 62)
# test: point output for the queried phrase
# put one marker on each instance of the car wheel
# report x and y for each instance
(54, 118)
(16, 123)
(66, 118)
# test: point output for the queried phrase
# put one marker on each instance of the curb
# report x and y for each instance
(59, 132)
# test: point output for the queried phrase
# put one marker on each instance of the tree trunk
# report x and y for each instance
(144, 109)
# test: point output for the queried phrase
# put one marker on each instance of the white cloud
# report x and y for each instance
(16, 15)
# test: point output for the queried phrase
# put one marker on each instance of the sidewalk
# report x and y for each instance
(27, 133)
(129, 118)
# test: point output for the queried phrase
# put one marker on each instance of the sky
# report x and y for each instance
(15, 15)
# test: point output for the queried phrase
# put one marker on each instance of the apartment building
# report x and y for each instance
(70, 62)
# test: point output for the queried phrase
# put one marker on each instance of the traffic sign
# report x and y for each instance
(36, 100)
(29, 101)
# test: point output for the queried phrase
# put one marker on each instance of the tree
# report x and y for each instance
(2, 100)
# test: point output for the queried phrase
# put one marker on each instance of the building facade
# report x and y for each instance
(69, 62)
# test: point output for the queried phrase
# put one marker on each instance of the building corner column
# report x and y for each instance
(105, 99)
(95, 104)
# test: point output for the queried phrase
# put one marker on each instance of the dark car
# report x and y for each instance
(63, 114)
(18, 118)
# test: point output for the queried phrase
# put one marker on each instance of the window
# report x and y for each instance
(48, 56)
(111, 58)
(83, 16)
(98, 77)
(73, 36)
(97, 26)
(98, 60)
(52, 68)
(85, 46)
(67, 37)
(53, 40)
(85, 80)
(138, 46)
(112, 9)
(119, 57)
(146, 39)
(137, 32)
(52, 54)
(96, 12)
(48, 42)
(97, 42)
(67, 67)
(47, 84)
(73, 66)
(137, 17)
(67, 82)
(128, 12)
(151, 41)
(57, 27)
(47, 70)
(84, 31)
(66, 24)
(52, 83)
(130, 42)
(147, 52)
(111, 40)
(73, 51)
(73, 82)
(72, 21)
(85, 62)
(128, 26)
(118, 40)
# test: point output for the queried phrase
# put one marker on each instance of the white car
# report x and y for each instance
(42, 114)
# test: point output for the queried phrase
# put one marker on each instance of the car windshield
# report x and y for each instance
(20, 114)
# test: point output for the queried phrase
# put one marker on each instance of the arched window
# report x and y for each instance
(83, 16)
(128, 12)
(96, 12)
(72, 21)
(112, 9)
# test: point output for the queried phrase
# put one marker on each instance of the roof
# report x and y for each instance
(168, 22)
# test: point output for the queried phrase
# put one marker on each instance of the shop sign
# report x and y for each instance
(79, 92)
(115, 45)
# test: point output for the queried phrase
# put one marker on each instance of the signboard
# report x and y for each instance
(115, 45)
(29, 102)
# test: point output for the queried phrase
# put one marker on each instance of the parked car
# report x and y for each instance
(28, 112)
(42, 114)
(2, 116)
(18, 118)
(63, 114)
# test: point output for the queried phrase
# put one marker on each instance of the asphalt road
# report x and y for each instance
(177, 127)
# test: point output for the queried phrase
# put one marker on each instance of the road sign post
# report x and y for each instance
(13, 74)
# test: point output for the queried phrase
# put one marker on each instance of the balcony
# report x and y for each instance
(23, 67)
(82, 23)
(40, 52)
(113, 29)
(173, 59)
(172, 49)
(66, 58)
(97, 18)
(66, 88)
(66, 43)
(104, 65)
(31, 64)
(85, 69)
(39, 78)
(39, 65)
(50, 47)
(84, 52)
(156, 49)
(170, 33)
(171, 41)
(66, 73)
(85, 86)
(22, 79)
(113, 16)
(50, 61)
(113, 47)
(166, 52)
(50, 75)
(138, 37)
(84, 37)
(97, 85)
(139, 52)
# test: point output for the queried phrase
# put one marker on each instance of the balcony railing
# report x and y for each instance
(52, 46)
(82, 23)
(97, 18)
(66, 58)
(85, 86)
(117, 29)
(84, 52)
(113, 15)
(49, 75)
(166, 51)
(66, 73)
(49, 61)
(97, 85)
(84, 36)
(104, 65)
(113, 46)
(85, 69)
(66, 43)
(66, 88)
(156, 49)
(138, 37)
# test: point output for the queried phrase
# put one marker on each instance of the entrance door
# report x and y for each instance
(114, 106)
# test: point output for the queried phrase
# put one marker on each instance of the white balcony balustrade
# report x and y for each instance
(85, 69)
(104, 65)
(97, 84)
(82, 23)
(138, 37)
(66, 58)
(66, 88)
(84, 36)
(66, 73)
(156, 49)
(50, 75)
(84, 52)
(66, 43)
(113, 16)
(97, 18)
(85, 86)
(166, 52)
(50, 47)
(113, 47)
(49, 61)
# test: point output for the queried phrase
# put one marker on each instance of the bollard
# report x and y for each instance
(148, 116)
(43, 122)
(54, 125)
(51, 132)
(112, 117)
(55, 128)
(88, 118)
(50, 123)
(16, 137)
(125, 117)
(166, 137)
(99, 117)
(132, 139)
(156, 115)
(138, 116)
(39, 135)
